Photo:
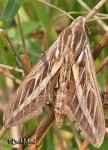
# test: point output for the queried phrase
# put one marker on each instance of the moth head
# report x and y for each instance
(81, 24)
(80, 21)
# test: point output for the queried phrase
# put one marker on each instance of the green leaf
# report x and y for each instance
(48, 142)
(2, 82)
(41, 13)
(10, 11)
(28, 27)
(44, 20)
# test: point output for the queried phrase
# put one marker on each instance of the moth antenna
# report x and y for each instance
(2, 131)
(95, 9)
(87, 8)
(60, 10)
(98, 18)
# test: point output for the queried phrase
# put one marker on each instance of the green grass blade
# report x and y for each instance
(10, 11)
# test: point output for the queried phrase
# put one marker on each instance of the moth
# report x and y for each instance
(66, 78)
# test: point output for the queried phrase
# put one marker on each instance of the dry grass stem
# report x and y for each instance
(10, 76)
(102, 24)
(21, 31)
(24, 66)
(102, 43)
(102, 65)
(2, 131)
(26, 57)
(39, 132)
(11, 68)
(84, 145)
(95, 9)
(43, 127)
(60, 10)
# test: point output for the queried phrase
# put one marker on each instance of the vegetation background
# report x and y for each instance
(33, 27)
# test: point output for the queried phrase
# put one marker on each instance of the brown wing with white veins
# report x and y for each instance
(28, 99)
(38, 87)
(33, 93)
(83, 104)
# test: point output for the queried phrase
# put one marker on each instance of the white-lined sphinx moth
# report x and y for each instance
(65, 77)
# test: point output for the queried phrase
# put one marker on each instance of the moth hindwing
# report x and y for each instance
(65, 77)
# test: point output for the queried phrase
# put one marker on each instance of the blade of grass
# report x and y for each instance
(10, 11)
(6, 55)
(44, 20)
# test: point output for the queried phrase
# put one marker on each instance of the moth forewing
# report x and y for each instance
(34, 92)
(31, 96)
(85, 106)
(93, 126)
(98, 116)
